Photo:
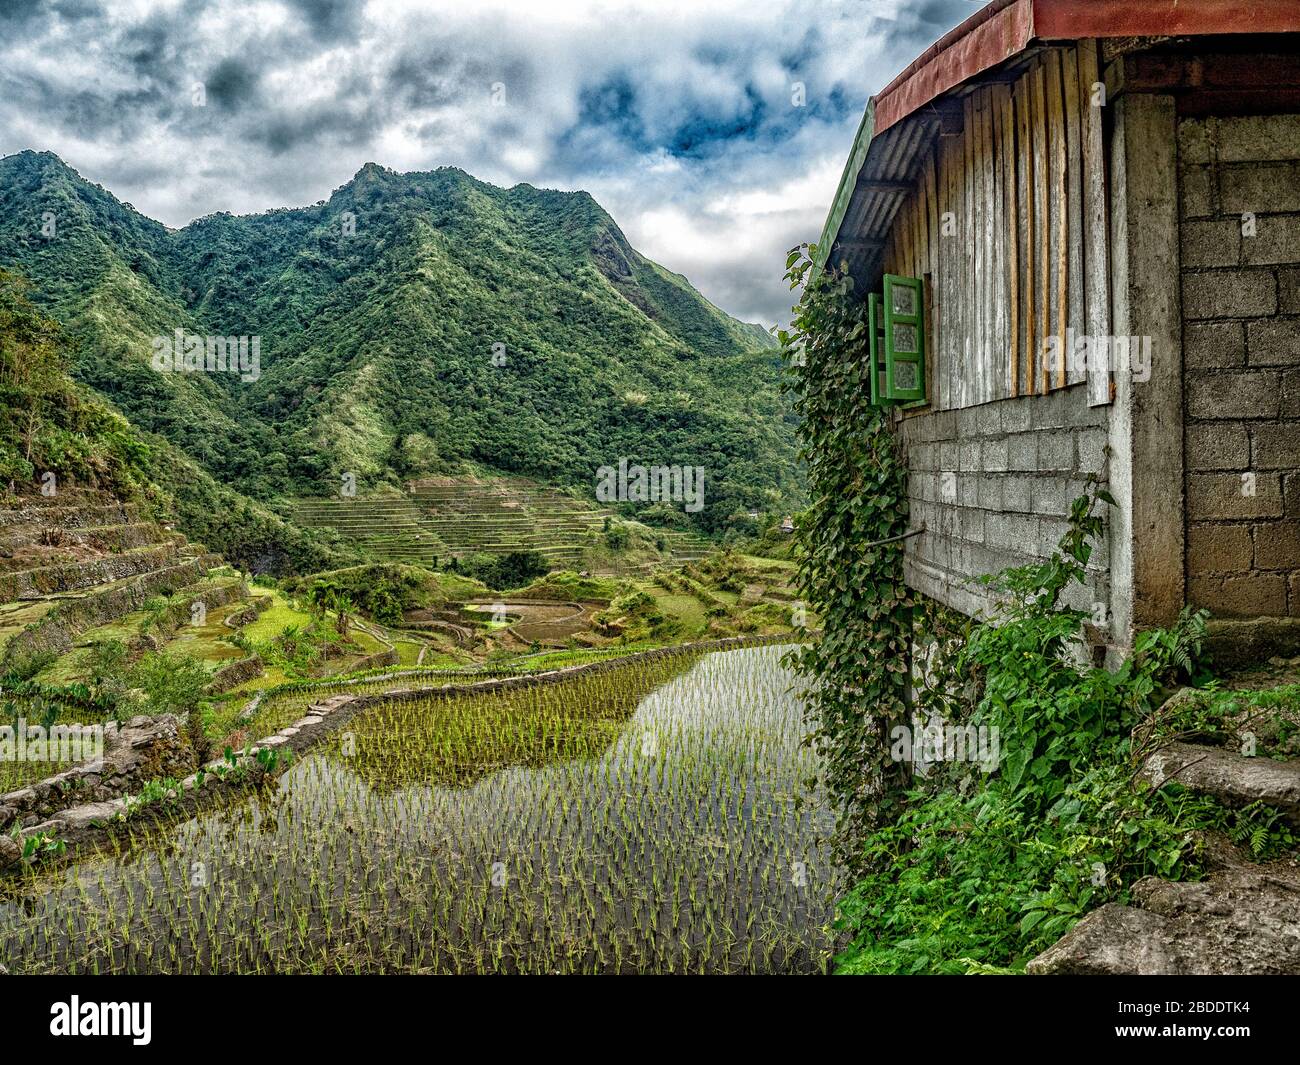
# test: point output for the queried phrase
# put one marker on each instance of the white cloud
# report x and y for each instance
(675, 114)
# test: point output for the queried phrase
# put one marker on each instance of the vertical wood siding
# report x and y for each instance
(1007, 222)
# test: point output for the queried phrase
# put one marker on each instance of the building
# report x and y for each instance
(1078, 225)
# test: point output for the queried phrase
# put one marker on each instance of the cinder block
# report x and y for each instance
(1256, 138)
(1273, 342)
(989, 419)
(1247, 596)
(1289, 407)
(1017, 414)
(1276, 446)
(1056, 452)
(1050, 531)
(1022, 452)
(949, 455)
(995, 454)
(1293, 597)
(1240, 293)
(1218, 549)
(1083, 597)
(944, 425)
(1277, 545)
(1250, 394)
(1291, 494)
(1288, 291)
(1214, 345)
(1211, 243)
(1048, 412)
(1227, 496)
(1090, 446)
(1015, 494)
(1217, 446)
(1081, 416)
(1193, 142)
(990, 493)
(1012, 532)
(1276, 241)
(1195, 188)
(1047, 495)
(1259, 188)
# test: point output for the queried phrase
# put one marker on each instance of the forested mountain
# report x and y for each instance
(422, 323)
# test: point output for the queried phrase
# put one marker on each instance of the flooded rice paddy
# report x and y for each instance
(652, 818)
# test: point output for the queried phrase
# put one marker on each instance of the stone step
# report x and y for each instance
(1231, 778)
(1241, 920)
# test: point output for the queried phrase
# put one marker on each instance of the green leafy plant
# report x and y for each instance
(849, 554)
(981, 872)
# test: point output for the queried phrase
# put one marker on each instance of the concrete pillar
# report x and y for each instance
(1146, 425)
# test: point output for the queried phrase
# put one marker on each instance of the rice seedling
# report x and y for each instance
(651, 818)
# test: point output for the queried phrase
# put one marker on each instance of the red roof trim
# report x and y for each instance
(1072, 19)
(1004, 28)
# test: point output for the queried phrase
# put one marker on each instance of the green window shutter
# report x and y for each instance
(876, 350)
(904, 327)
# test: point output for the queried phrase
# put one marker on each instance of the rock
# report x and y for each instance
(22, 798)
(1111, 939)
(80, 818)
(1231, 778)
(10, 852)
(1244, 920)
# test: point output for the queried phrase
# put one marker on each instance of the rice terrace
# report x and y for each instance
(643, 820)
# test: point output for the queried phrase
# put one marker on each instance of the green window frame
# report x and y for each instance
(903, 307)
(876, 350)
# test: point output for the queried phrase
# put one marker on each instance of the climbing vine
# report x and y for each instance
(849, 557)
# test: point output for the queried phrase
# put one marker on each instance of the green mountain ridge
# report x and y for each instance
(413, 324)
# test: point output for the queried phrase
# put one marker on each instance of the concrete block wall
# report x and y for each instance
(993, 485)
(1241, 349)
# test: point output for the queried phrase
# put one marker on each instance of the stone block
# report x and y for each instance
(1242, 293)
(1214, 345)
(1248, 394)
(1217, 446)
(1227, 497)
(1218, 549)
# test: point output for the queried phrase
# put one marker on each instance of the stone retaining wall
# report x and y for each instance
(143, 749)
(58, 629)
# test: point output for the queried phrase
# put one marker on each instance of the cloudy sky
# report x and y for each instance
(714, 131)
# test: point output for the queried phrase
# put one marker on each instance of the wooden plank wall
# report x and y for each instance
(1007, 224)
